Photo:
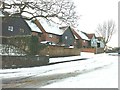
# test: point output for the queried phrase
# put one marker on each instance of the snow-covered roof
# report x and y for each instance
(33, 26)
(50, 27)
(75, 37)
(1, 14)
(82, 35)
(64, 28)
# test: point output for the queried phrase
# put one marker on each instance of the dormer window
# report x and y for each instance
(10, 28)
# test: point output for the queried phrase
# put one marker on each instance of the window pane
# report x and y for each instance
(10, 28)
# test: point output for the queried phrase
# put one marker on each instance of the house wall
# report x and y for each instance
(68, 38)
(93, 42)
(101, 44)
(82, 43)
(77, 43)
(85, 43)
(12, 26)
(50, 37)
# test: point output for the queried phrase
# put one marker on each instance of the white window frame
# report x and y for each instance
(10, 28)
(66, 37)
(22, 30)
(50, 35)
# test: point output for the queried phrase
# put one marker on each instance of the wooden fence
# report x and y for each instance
(59, 51)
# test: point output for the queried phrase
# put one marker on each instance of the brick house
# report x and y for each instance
(62, 36)
(59, 35)
(49, 32)
(82, 40)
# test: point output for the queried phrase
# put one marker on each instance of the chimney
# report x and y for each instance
(39, 26)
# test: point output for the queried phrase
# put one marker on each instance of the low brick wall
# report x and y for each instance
(58, 51)
(93, 50)
(100, 50)
(23, 61)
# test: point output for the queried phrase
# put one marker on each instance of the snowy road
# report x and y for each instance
(100, 71)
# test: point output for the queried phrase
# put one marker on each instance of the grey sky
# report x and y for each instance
(94, 12)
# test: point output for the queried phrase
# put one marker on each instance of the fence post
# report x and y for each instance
(96, 50)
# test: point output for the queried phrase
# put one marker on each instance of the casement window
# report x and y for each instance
(66, 37)
(22, 30)
(50, 35)
(10, 28)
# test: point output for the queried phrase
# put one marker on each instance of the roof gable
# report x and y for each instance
(76, 34)
(82, 35)
(90, 36)
(71, 30)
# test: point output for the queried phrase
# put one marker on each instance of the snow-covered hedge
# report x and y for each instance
(29, 44)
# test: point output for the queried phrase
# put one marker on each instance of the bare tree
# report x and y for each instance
(55, 10)
(106, 31)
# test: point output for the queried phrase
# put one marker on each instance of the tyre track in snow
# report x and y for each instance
(36, 82)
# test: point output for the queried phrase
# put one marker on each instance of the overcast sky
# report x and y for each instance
(94, 12)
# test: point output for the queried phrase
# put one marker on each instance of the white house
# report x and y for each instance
(100, 43)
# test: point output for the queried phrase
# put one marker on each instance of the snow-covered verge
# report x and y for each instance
(100, 71)
(82, 56)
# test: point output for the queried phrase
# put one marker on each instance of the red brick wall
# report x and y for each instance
(42, 37)
(45, 37)
(85, 43)
(93, 50)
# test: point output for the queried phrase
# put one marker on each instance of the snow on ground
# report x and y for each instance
(83, 55)
(100, 71)
(97, 75)
(26, 72)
